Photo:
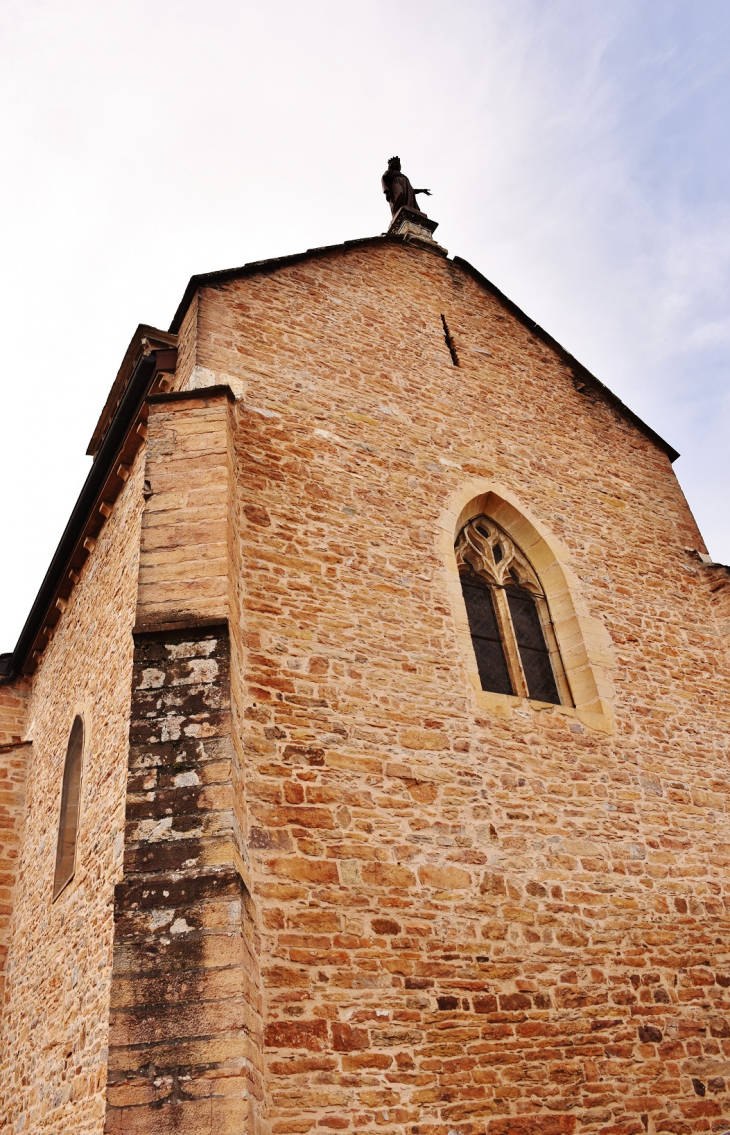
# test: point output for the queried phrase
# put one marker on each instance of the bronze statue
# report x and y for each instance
(399, 193)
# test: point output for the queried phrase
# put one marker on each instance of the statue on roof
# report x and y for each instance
(399, 193)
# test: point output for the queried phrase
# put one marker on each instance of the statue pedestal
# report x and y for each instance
(414, 225)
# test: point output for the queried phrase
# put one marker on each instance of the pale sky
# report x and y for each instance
(576, 150)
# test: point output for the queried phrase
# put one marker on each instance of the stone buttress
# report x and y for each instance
(185, 1025)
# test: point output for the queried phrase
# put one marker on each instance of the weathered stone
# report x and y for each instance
(444, 878)
(451, 910)
(297, 1034)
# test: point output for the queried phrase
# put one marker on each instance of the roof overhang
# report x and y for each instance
(144, 340)
(122, 433)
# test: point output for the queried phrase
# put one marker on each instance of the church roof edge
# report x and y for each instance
(144, 340)
(222, 276)
(145, 355)
(581, 375)
(106, 478)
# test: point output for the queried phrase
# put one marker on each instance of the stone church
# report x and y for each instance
(364, 754)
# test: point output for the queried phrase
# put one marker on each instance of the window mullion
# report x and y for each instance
(509, 641)
(551, 642)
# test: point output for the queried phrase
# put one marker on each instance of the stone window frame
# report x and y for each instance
(61, 885)
(583, 642)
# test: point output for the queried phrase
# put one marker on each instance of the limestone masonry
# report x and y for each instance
(324, 880)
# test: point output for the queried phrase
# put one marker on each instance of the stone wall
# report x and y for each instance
(183, 573)
(13, 710)
(185, 1034)
(442, 912)
(472, 920)
(13, 774)
(186, 1028)
(718, 578)
(55, 1017)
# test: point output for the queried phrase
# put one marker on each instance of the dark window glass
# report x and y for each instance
(491, 663)
(69, 820)
(532, 646)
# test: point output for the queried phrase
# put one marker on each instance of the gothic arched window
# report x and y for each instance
(68, 824)
(511, 631)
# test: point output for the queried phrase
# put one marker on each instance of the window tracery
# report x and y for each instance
(509, 619)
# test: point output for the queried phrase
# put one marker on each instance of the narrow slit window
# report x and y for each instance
(450, 342)
(68, 824)
(509, 621)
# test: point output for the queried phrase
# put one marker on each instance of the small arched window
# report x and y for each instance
(509, 620)
(68, 824)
